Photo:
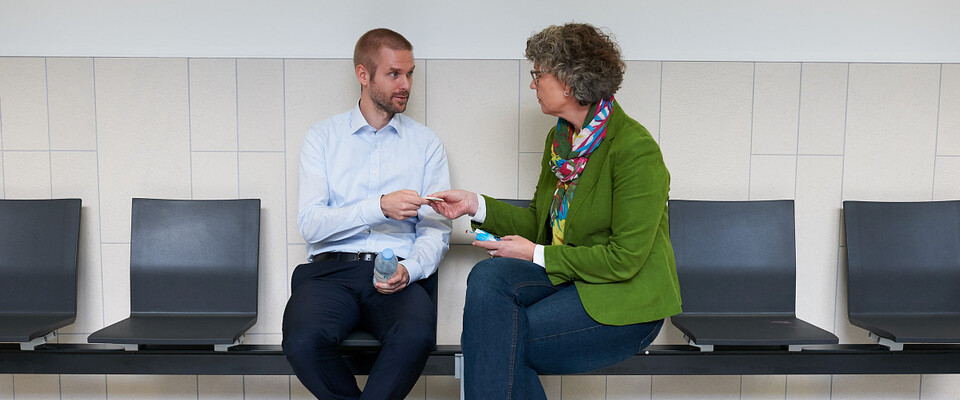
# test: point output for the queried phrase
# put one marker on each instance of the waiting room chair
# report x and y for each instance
(736, 261)
(39, 242)
(903, 270)
(193, 274)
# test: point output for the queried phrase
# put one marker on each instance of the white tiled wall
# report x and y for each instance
(106, 130)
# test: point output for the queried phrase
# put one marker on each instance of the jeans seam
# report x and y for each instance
(516, 329)
(598, 326)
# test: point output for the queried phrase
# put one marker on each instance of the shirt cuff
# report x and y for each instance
(370, 211)
(538, 257)
(481, 210)
(413, 270)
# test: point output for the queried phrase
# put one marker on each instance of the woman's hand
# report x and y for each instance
(509, 246)
(455, 203)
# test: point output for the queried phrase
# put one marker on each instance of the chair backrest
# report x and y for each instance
(518, 203)
(903, 257)
(194, 256)
(735, 257)
(39, 242)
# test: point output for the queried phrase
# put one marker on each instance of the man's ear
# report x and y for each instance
(363, 76)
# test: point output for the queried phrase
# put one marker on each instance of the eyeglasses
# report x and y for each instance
(535, 74)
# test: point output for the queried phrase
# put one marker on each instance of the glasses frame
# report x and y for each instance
(536, 74)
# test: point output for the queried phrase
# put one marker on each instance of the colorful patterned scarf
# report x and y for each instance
(569, 157)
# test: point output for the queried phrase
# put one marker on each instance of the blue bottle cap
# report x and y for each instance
(387, 253)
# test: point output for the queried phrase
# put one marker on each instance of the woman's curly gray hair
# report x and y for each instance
(584, 57)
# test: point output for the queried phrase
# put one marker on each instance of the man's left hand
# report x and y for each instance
(396, 283)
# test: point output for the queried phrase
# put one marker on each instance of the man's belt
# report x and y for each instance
(346, 257)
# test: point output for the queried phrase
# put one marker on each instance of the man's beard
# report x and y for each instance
(384, 101)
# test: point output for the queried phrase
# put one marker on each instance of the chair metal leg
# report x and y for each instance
(889, 344)
(702, 347)
(31, 345)
(458, 371)
(225, 347)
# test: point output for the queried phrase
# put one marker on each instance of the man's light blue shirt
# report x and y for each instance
(346, 165)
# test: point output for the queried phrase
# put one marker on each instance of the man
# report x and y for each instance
(362, 174)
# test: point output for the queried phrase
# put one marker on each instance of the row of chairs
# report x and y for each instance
(194, 271)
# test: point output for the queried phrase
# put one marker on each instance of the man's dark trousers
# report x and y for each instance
(332, 298)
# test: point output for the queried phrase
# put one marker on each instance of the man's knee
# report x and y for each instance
(419, 335)
(297, 343)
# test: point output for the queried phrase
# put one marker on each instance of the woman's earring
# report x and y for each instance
(566, 93)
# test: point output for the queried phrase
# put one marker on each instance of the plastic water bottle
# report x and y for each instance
(384, 266)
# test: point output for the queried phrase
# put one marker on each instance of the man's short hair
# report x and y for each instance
(368, 46)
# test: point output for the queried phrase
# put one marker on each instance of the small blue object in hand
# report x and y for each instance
(484, 236)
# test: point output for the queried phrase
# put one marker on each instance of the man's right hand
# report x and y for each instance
(455, 203)
(401, 204)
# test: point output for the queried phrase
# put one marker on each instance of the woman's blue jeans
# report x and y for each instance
(516, 324)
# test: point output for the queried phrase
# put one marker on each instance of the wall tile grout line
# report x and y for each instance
(659, 121)
(236, 77)
(96, 138)
(286, 177)
(936, 141)
(796, 165)
(46, 88)
(843, 165)
(190, 126)
(753, 105)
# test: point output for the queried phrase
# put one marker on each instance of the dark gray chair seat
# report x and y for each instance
(903, 270)
(177, 330)
(736, 261)
(39, 242)
(193, 274)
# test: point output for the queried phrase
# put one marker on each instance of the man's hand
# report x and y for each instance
(455, 203)
(509, 246)
(401, 204)
(396, 283)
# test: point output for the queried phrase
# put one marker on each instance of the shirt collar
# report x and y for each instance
(358, 123)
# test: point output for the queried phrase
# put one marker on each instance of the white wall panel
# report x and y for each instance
(817, 210)
(587, 387)
(23, 104)
(83, 387)
(219, 387)
(808, 387)
(152, 387)
(260, 104)
(75, 176)
(773, 177)
(266, 387)
(213, 104)
(776, 103)
(214, 175)
(946, 180)
(261, 177)
(6, 386)
(72, 103)
(39, 387)
(477, 121)
(629, 387)
(143, 135)
(939, 387)
(948, 142)
(875, 387)
(823, 108)
(762, 387)
(534, 124)
(640, 94)
(705, 129)
(453, 272)
(692, 387)
(314, 90)
(26, 175)
(116, 282)
(891, 132)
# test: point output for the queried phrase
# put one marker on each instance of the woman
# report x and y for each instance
(585, 275)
